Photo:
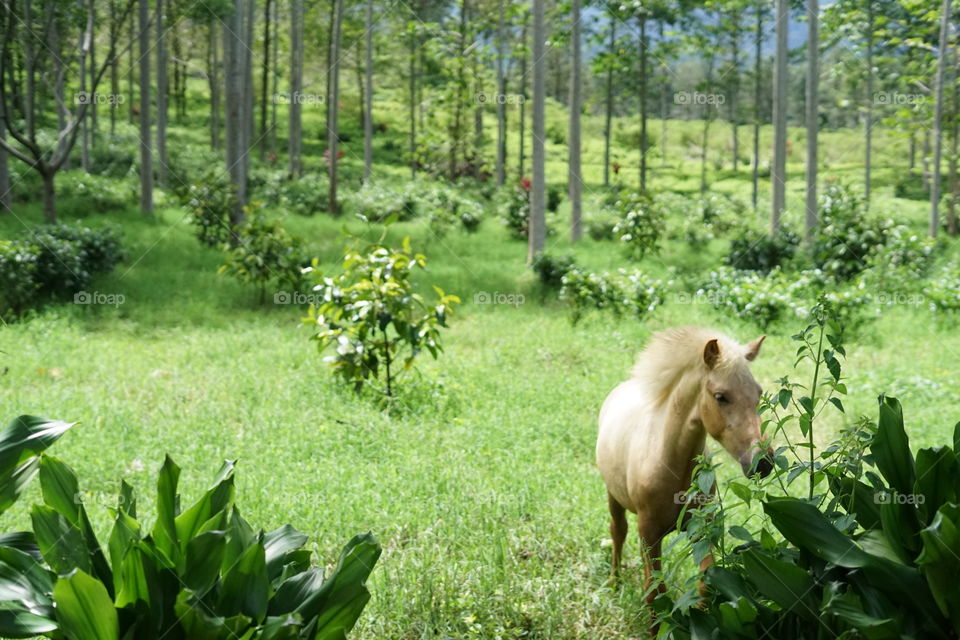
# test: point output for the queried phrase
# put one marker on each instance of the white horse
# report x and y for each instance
(687, 383)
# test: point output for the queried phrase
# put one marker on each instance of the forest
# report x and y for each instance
(320, 302)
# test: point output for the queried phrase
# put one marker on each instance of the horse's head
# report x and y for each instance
(728, 404)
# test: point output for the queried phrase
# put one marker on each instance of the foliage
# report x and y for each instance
(94, 193)
(756, 250)
(18, 277)
(199, 572)
(639, 228)
(265, 252)
(305, 195)
(555, 194)
(373, 318)
(625, 292)
(515, 210)
(550, 269)
(943, 291)
(447, 207)
(902, 261)
(99, 249)
(601, 227)
(909, 185)
(845, 237)
(869, 552)
(211, 204)
(378, 203)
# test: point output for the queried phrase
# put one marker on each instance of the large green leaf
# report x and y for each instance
(84, 608)
(217, 500)
(203, 558)
(21, 442)
(858, 498)
(940, 561)
(938, 480)
(848, 607)
(16, 621)
(25, 581)
(891, 447)
(61, 492)
(165, 529)
(134, 576)
(246, 588)
(277, 544)
(783, 582)
(295, 591)
(61, 543)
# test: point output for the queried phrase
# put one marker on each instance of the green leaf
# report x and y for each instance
(16, 621)
(939, 561)
(858, 498)
(706, 480)
(246, 588)
(217, 500)
(938, 479)
(25, 581)
(848, 607)
(277, 544)
(203, 557)
(740, 533)
(21, 442)
(165, 529)
(835, 401)
(891, 447)
(783, 582)
(61, 544)
(84, 608)
(133, 578)
(742, 491)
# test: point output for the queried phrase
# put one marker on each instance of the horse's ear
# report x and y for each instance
(711, 353)
(754, 347)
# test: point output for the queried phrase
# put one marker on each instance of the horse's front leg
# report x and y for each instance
(650, 536)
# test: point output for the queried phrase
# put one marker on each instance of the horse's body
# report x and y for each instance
(687, 383)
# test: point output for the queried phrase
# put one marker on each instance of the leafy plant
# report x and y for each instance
(99, 249)
(845, 238)
(639, 228)
(555, 194)
(756, 250)
(378, 203)
(626, 292)
(372, 317)
(265, 252)
(18, 277)
(550, 269)
(211, 204)
(516, 210)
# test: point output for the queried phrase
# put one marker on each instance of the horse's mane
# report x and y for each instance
(673, 353)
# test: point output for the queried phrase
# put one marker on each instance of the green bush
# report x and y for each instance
(61, 271)
(378, 203)
(94, 193)
(306, 195)
(943, 291)
(909, 185)
(601, 227)
(550, 269)
(18, 277)
(639, 228)
(373, 319)
(555, 193)
(626, 292)
(845, 237)
(199, 572)
(99, 249)
(264, 252)
(515, 210)
(211, 204)
(756, 250)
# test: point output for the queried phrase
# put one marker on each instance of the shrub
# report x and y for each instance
(943, 291)
(516, 210)
(372, 317)
(61, 270)
(845, 237)
(377, 203)
(904, 258)
(446, 207)
(756, 250)
(211, 205)
(93, 193)
(18, 277)
(630, 292)
(550, 269)
(306, 195)
(265, 252)
(601, 227)
(909, 185)
(555, 193)
(99, 249)
(198, 572)
(639, 227)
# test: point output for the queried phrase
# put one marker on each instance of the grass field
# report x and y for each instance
(480, 481)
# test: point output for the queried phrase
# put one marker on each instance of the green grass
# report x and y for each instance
(480, 483)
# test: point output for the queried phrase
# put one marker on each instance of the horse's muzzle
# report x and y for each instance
(764, 466)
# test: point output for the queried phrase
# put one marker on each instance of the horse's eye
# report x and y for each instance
(722, 399)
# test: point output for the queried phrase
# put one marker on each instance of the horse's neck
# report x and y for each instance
(687, 435)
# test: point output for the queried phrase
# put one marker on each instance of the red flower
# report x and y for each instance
(616, 168)
(525, 184)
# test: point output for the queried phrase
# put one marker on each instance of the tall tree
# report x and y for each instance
(501, 96)
(938, 120)
(608, 101)
(5, 197)
(146, 152)
(868, 117)
(813, 113)
(368, 99)
(91, 96)
(295, 123)
(644, 43)
(236, 74)
(333, 108)
(264, 141)
(778, 171)
(162, 90)
(537, 227)
(414, 43)
(757, 84)
(574, 174)
(524, 55)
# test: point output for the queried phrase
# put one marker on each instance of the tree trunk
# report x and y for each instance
(868, 124)
(707, 120)
(455, 133)
(146, 155)
(925, 161)
(213, 66)
(5, 197)
(132, 65)
(537, 227)
(265, 80)
(778, 172)
(523, 94)
(114, 75)
(735, 88)
(501, 99)
(574, 177)
(85, 125)
(938, 121)
(276, 79)
(664, 104)
(333, 137)
(813, 113)
(295, 131)
(234, 60)
(609, 101)
(643, 102)
(162, 90)
(368, 99)
(954, 149)
(49, 197)
(412, 28)
(757, 93)
(94, 123)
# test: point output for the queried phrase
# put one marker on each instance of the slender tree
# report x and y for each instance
(501, 96)
(954, 147)
(521, 138)
(264, 140)
(368, 99)
(91, 96)
(778, 172)
(146, 151)
(162, 90)
(236, 74)
(574, 175)
(537, 227)
(938, 120)
(813, 113)
(757, 92)
(5, 196)
(642, 19)
(608, 102)
(333, 137)
(295, 124)
(868, 116)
